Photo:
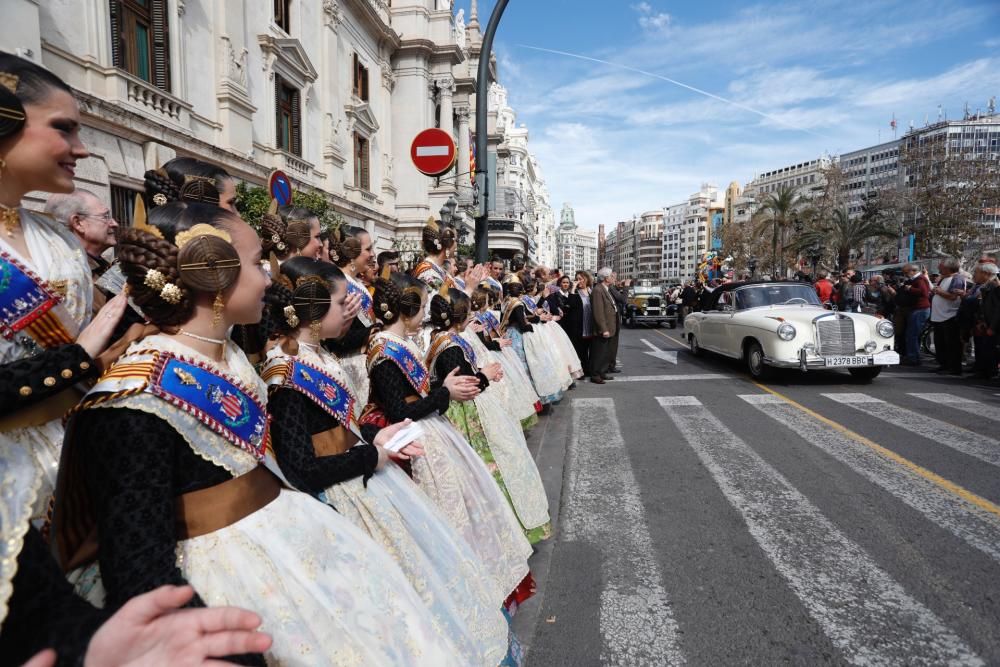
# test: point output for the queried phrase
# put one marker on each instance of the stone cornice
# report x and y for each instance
(451, 53)
(369, 14)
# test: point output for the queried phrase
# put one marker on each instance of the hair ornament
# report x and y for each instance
(139, 218)
(201, 229)
(154, 279)
(433, 225)
(290, 316)
(171, 293)
(419, 291)
(384, 307)
(306, 280)
(160, 199)
(443, 292)
(9, 81)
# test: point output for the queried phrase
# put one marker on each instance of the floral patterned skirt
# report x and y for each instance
(499, 442)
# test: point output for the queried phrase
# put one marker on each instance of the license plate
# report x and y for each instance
(853, 360)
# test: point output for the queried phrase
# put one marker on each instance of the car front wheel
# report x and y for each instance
(694, 346)
(758, 369)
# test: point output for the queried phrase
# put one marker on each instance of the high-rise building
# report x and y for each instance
(577, 248)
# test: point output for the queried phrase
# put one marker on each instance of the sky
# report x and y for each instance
(715, 92)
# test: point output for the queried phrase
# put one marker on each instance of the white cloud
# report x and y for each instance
(649, 18)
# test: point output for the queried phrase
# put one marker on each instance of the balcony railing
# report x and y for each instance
(151, 99)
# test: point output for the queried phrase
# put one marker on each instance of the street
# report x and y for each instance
(702, 518)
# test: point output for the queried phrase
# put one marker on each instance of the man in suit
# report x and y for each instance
(618, 293)
(606, 321)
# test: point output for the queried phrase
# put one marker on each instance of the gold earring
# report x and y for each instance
(217, 307)
(314, 327)
(3, 165)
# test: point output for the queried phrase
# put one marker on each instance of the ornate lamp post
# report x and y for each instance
(448, 210)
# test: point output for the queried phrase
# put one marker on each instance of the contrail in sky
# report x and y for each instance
(763, 114)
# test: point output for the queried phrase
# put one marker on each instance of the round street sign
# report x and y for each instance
(281, 187)
(433, 152)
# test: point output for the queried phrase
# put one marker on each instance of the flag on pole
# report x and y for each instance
(892, 123)
(472, 157)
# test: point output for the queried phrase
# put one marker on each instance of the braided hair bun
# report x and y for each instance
(446, 313)
(345, 246)
(185, 179)
(286, 231)
(165, 280)
(435, 238)
(301, 293)
(401, 295)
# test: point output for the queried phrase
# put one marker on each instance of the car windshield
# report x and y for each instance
(640, 290)
(755, 296)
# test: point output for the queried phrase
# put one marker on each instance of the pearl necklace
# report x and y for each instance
(204, 339)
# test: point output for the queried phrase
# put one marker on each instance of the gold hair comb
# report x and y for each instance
(9, 81)
(201, 229)
(139, 218)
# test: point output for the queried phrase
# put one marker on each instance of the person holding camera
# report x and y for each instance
(916, 290)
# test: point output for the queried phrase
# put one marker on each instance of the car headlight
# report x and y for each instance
(885, 329)
(786, 331)
(871, 346)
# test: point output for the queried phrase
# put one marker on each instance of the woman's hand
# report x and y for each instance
(95, 336)
(352, 305)
(506, 342)
(476, 327)
(493, 372)
(151, 630)
(411, 451)
(461, 387)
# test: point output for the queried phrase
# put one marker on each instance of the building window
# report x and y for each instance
(360, 79)
(288, 116)
(362, 171)
(122, 204)
(140, 42)
(281, 13)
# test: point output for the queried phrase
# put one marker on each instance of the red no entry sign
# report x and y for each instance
(280, 187)
(433, 152)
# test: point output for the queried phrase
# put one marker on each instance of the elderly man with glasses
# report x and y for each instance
(91, 221)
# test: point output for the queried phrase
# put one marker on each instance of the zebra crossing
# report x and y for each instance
(860, 603)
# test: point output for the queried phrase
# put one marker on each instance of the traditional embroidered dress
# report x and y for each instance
(450, 473)
(516, 391)
(516, 365)
(315, 440)
(350, 349)
(532, 350)
(181, 496)
(431, 274)
(565, 347)
(556, 355)
(44, 303)
(494, 434)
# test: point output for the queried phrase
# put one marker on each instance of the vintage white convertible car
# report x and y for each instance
(783, 325)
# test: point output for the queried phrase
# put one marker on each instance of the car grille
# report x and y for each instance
(835, 335)
(653, 302)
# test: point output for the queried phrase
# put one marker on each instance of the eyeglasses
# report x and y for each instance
(104, 217)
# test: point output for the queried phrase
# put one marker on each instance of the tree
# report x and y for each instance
(253, 201)
(952, 182)
(841, 233)
(774, 217)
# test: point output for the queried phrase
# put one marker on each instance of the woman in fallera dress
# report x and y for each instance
(529, 345)
(186, 492)
(450, 472)
(322, 451)
(351, 250)
(486, 421)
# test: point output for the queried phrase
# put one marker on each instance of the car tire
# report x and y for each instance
(672, 324)
(694, 347)
(865, 375)
(756, 366)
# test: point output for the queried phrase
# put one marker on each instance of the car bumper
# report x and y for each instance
(654, 318)
(807, 361)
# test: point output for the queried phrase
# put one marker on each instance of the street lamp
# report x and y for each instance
(448, 210)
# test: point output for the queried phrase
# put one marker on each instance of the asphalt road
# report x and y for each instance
(703, 519)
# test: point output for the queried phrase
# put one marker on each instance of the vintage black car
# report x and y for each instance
(648, 305)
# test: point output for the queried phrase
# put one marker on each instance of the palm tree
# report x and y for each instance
(842, 234)
(775, 215)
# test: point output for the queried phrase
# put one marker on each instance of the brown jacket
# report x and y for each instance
(605, 315)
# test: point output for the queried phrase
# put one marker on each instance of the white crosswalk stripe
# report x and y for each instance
(956, 515)
(681, 377)
(637, 622)
(960, 439)
(861, 608)
(964, 404)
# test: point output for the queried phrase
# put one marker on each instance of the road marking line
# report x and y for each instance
(955, 514)
(680, 342)
(960, 491)
(668, 378)
(669, 356)
(866, 613)
(963, 440)
(637, 622)
(963, 404)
